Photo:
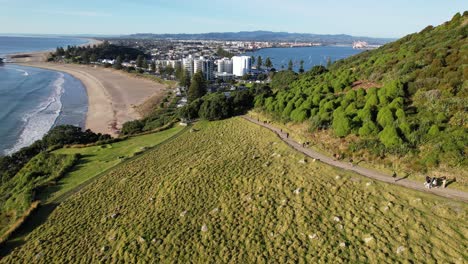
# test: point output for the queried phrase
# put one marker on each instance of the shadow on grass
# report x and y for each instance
(17, 239)
(44, 194)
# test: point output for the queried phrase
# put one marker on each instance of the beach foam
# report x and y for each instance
(25, 73)
(39, 121)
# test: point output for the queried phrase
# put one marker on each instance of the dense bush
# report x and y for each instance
(216, 106)
(405, 94)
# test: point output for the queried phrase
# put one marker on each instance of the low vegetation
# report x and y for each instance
(50, 174)
(231, 191)
(18, 193)
(55, 138)
(97, 159)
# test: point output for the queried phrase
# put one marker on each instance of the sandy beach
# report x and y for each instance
(112, 95)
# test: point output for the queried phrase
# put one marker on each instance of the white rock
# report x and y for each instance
(204, 228)
(337, 219)
(337, 177)
(400, 249)
(183, 213)
(302, 161)
(368, 239)
(342, 244)
(298, 191)
(368, 184)
(313, 236)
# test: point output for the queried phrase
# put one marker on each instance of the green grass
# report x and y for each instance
(226, 193)
(98, 159)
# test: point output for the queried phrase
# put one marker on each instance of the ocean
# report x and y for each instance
(310, 55)
(34, 100)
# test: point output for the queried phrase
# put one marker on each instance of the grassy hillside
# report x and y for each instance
(17, 194)
(97, 159)
(50, 175)
(233, 192)
(407, 99)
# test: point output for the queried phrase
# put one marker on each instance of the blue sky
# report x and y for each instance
(393, 18)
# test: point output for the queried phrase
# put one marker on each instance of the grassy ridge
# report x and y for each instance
(19, 192)
(97, 159)
(233, 192)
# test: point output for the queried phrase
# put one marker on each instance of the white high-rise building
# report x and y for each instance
(241, 65)
(187, 64)
(198, 65)
(224, 65)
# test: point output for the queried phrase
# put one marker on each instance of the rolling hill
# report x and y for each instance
(231, 191)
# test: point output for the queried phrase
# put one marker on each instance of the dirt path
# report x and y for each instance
(448, 193)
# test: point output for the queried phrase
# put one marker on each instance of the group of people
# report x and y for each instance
(434, 182)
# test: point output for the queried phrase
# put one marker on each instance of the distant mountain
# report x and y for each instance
(265, 36)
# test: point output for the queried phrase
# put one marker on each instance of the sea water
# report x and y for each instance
(34, 100)
(318, 55)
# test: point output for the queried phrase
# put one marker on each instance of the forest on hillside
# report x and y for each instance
(407, 97)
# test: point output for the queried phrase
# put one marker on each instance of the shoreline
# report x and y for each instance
(110, 102)
(112, 95)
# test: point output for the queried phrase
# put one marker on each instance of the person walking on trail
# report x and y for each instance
(444, 182)
(287, 135)
(434, 182)
(427, 183)
(394, 175)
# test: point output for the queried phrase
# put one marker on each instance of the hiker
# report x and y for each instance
(394, 175)
(287, 135)
(434, 182)
(281, 130)
(444, 182)
(427, 183)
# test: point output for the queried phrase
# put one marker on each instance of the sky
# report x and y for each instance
(372, 18)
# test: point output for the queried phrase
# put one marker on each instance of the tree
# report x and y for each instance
(268, 63)
(389, 137)
(301, 69)
(283, 79)
(385, 117)
(139, 61)
(329, 62)
(214, 107)
(290, 65)
(259, 62)
(185, 80)
(153, 66)
(93, 57)
(341, 123)
(170, 70)
(197, 87)
(252, 58)
(118, 63)
(145, 64)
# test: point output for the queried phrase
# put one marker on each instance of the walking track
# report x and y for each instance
(373, 174)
